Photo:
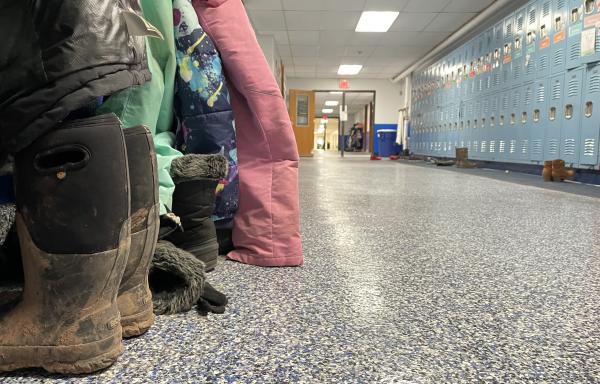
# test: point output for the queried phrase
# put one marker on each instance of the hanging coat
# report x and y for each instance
(152, 103)
(266, 228)
(57, 56)
(204, 115)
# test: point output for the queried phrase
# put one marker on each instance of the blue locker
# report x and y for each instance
(497, 56)
(554, 117)
(491, 130)
(531, 41)
(591, 18)
(507, 52)
(544, 46)
(575, 14)
(559, 36)
(503, 126)
(570, 134)
(518, 63)
(525, 123)
(538, 120)
(483, 129)
(590, 125)
(514, 123)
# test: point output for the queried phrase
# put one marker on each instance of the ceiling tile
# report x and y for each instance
(365, 38)
(335, 37)
(306, 60)
(303, 20)
(353, 60)
(263, 4)
(281, 37)
(425, 5)
(329, 60)
(359, 50)
(305, 68)
(449, 22)
(304, 37)
(304, 50)
(346, 5)
(284, 50)
(412, 21)
(305, 75)
(385, 5)
(372, 69)
(267, 20)
(336, 20)
(304, 5)
(468, 5)
(332, 51)
(327, 68)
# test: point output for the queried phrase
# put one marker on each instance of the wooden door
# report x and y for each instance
(302, 114)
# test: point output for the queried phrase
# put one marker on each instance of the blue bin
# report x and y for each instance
(387, 142)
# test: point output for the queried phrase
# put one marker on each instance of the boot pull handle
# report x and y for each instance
(61, 159)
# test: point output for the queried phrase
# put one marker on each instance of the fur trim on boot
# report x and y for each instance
(197, 167)
(7, 219)
(176, 279)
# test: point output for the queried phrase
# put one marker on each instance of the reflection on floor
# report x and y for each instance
(412, 275)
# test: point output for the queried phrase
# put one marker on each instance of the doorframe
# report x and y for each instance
(342, 124)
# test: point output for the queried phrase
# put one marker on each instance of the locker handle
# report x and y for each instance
(513, 119)
(536, 115)
(569, 111)
(552, 114)
(589, 109)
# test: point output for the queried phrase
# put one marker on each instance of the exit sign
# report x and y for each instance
(344, 84)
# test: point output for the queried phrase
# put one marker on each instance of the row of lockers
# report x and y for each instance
(557, 117)
(524, 90)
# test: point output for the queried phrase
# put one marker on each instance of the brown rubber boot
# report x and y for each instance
(73, 223)
(559, 172)
(462, 159)
(135, 298)
(547, 172)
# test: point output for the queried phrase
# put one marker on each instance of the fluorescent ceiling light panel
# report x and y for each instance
(332, 103)
(348, 69)
(376, 21)
(327, 110)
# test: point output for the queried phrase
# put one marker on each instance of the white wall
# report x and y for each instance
(267, 43)
(389, 96)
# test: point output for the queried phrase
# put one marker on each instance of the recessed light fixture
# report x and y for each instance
(332, 103)
(372, 21)
(327, 110)
(349, 69)
(336, 93)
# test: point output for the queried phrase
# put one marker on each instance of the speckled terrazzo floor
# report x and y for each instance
(412, 275)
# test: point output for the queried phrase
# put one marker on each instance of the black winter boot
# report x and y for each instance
(135, 298)
(196, 178)
(72, 188)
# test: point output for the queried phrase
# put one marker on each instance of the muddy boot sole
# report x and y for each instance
(66, 360)
(138, 324)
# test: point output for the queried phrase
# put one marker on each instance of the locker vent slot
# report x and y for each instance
(561, 4)
(541, 94)
(546, 9)
(508, 31)
(513, 146)
(589, 147)
(516, 100)
(502, 148)
(483, 146)
(525, 147)
(594, 84)
(475, 146)
(492, 146)
(553, 147)
(575, 51)
(569, 147)
(556, 90)
(528, 96)
(559, 57)
(536, 147)
(505, 102)
(597, 49)
(517, 72)
(543, 62)
(532, 16)
(530, 68)
(574, 88)
(520, 22)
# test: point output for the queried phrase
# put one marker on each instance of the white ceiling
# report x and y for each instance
(314, 37)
